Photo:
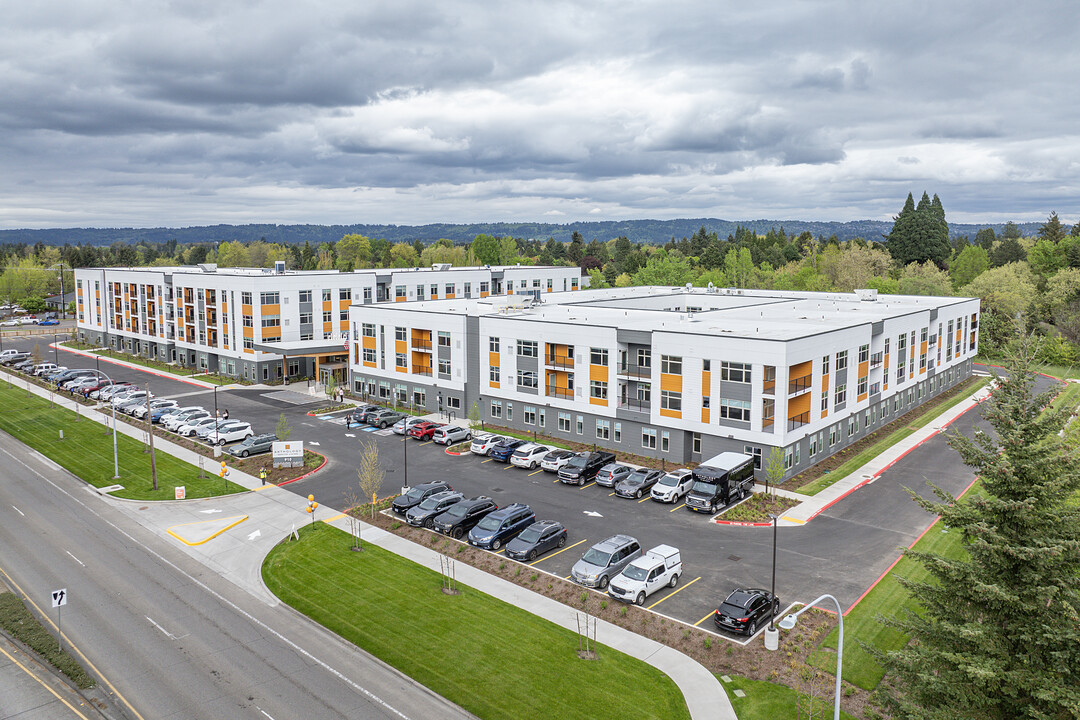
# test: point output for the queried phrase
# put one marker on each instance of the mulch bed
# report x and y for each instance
(787, 666)
(758, 508)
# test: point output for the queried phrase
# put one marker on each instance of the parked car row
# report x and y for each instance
(30, 320)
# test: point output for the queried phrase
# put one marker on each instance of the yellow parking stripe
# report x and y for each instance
(426, 442)
(644, 499)
(611, 494)
(488, 460)
(558, 551)
(673, 592)
(677, 508)
(555, 480)
(705, 618)
(508, 467)
(589, 485)
(537, 472)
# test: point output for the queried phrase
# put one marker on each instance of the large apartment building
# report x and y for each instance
(268, 324)
(674, 373)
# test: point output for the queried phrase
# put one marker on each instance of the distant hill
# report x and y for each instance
(640, 231)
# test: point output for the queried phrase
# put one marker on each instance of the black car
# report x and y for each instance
(416, 495)
(360, 414)
(463, 516)
(501, 526)
(424, 514)
(638, 482)
(536, 539)
(745, 611)
(584, 467)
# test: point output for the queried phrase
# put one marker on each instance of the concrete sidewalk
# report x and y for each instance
(814, 505)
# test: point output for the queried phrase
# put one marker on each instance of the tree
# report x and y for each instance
(576, 250)
(331, 386)
(920, 234)
(597, 279)
(624, 280)
(486, 249)
(353, 251)
(1006, 290)
(664, 268)
(283, 430)
(1052, 230)
(475, 419)
(233, 254)
(774, 469)
(1045, 258)
(370, 472)
(739, 267)
(403, 255)
(33, 304)
(924, 279)
(997, 633)
(1011, 231)
(972, 262)
(985, 238)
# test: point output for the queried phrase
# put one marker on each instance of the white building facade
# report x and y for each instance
(673, 373)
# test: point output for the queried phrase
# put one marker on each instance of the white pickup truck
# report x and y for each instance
(659, 567)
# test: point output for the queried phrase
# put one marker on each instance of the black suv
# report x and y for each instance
(423, 515)
(584, 467)
(417, 495)
(745, 611)
(501, 526)
(463, 516)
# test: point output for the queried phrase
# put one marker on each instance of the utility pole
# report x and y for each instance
(150, 433)
(63, 308)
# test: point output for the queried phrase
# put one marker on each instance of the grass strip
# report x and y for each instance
(179, 370)
(768, 701)
(86, 451)
(491, 658)
(887, 442)
(20, 623)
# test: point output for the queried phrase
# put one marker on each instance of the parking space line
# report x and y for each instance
(559, 551)
(556, 480)
(611, 494)
(508, 467)
(536, 472)
(585, 486)
(427, 442)
(488, 460)
(711, 613)
(673, 592)
(677, 508)
(644, 499)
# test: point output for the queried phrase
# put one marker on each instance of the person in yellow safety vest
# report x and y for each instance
(262, 475)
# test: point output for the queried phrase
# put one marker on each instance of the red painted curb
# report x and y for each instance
(324, 461)
(448, 452)
(742, 524)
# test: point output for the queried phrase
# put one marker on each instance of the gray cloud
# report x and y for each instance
(195, 112)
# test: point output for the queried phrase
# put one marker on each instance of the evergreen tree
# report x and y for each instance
(1011, 230)
(985, 238)
(997, 636)
(1007, 251)
(898, 241)
(1052, 230)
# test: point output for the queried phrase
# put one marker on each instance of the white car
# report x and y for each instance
(192, 426)
(122, 396)
(403, 426)
(78, 383)
(449, 434)
(658, 568)
(184, 417)
(9, 352)
(10, 323)
(529, 456)
(673, 486)
(482, 443)
(225, 431)
(110, 391)
(140, 412)
(44, 369)
(556, 459)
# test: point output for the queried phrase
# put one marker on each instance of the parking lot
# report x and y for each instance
(841, 552)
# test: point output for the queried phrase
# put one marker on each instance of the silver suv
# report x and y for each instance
(605, 560)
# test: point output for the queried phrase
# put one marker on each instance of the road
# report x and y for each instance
(170, 637)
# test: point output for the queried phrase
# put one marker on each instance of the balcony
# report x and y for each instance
(876, 359)
(421, 345)
(566, 363)
(566, 393)
(422, 370)
(799, 385)
(769, 387)
(639, 371)
(798, 421)
(642, 406)
(767, 424)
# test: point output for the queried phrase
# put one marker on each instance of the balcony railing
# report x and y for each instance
(420, 344)
(875, 389)
(559, 362)
(635, 370)
(876, 359)
(421, 370)
(567, 393)
(798, 421)
(767, 423)
(799, 384)
(769, 387)
(933, 341)
(635, 404)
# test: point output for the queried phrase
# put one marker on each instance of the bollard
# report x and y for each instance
(61, 434)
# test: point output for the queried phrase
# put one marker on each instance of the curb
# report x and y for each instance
(307, 474)
(741, 523)
(135, 366)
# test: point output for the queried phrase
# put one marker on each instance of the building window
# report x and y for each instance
(603, 429)
(922, 362)
(670, 400)
(527, 379)
(735, 372)
(527, 348)
(399, 292)
(644, 392)
(434, 291)
(695, 443)
(271, 321)
(305, 318)
(343, 315)
(493, 344)
(245, 298)
(644, 358)
(400, 360)
(444, 367)
(399, 334)
(735, 409)
(648, 438)
(598, 356)
(861, 387)
(328, 316)
(270, 298)
(864, 353)
(509, 412)
(580, 425)
(813, 445)
(368, 329)
(705, 401)
(923, 334)
(249, 343)
(248, 321)
(598, 389)
(496, 408)
(484, 286)
(671, 364)
(303, 336)
(305, 297)
(564, 422)
(444, 339)
(468, 289)
(529, 415)
(618, 432)
(493, 373)
(369, 355)
(543, 417)
(327, 295)
(840, 397)
(832, 434)
(344, 294)
(824, 401)
(706, 365)
(825, 364)
(841, 360)
(665, 441)
(754, 452)
(787, 458)
(449, 289)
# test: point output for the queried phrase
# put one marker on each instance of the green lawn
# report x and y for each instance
(870, 453)
(87, 452)
(491, 658)
(769, 701)
(21, 624)
(139, 360)
(522, 435)
(887, 599)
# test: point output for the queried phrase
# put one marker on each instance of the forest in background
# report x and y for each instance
(1027, 281)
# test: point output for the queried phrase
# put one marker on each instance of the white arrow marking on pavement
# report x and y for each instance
(348, 435)
(210, 512)
(254, 535)
(590, 513)
(19, 511)
(312, 443)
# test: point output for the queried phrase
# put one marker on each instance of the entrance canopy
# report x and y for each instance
(300, 348)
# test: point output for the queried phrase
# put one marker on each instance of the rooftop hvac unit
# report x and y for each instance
(279, 267)
(441, 266)
(866, 295)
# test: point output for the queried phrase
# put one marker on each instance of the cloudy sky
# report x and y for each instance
(152, 113)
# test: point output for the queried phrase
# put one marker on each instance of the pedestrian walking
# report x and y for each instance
(225, 415)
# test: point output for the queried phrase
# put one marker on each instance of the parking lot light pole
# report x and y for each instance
(116, 457)
(789, 622)
(56, 350)
(772, 635)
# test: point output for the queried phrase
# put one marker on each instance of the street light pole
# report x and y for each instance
(116, 456)
(789, 622)
(217, 417)
(772, 619)
(56, 350)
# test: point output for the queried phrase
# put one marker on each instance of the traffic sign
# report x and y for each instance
(59, 597)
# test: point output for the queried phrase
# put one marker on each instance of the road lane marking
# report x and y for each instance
(27, 670)
(167, 633)
(677, 508)
(75, 558)
(19, 511)
(705, 618)
(558, 551)
(336, 517)
(673, 592)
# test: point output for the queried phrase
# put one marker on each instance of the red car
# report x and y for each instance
(424, 430)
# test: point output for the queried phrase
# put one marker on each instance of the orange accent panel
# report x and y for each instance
(705, 415)
(401, 369)
(483, 294)
(400, 299)
(400, 346)
(671, 383)
(327, 305)
(368, 343)
(671, 413)
(598, 372)
(493, 384)
(271, 309)
(706, 382)
(597, 401)
(450, 296)
(493, 359)
(798, 406)
(864, 367)
(824, 383)
(369, 364)
(550, 289)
